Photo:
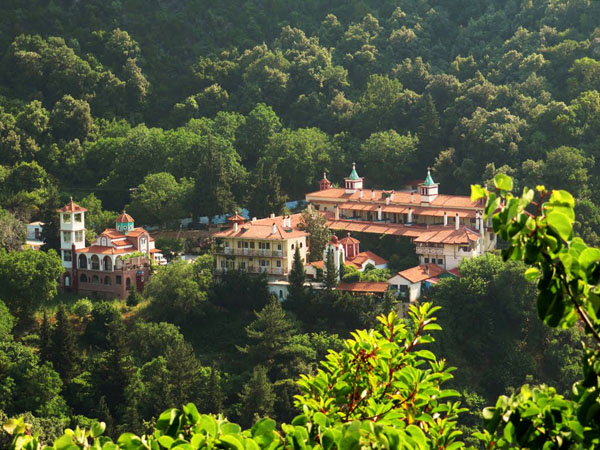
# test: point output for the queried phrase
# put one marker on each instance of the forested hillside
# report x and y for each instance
(95, 97)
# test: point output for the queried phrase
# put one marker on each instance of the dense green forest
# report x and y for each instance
(193, 108)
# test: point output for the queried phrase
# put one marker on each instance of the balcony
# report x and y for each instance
(250, 252)
(254, 269)
(436, 251)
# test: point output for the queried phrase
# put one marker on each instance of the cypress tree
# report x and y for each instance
(64, 347)
(296, 277)
(331, 272)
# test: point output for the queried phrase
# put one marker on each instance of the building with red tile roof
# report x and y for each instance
(118, 259)
(261, 245)
(409, 283)
(444, 228)
(378, 288)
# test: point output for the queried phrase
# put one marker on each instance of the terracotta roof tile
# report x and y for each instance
(364, 256)
(124, 218)
(349, 240)
(263, 229)
(338, 195)
(72, 207)
(104, 250)
(422, 272)
(378, 287)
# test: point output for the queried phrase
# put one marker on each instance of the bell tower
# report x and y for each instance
(428, 189)
(337, 250)
(72, 232)
(353, 182)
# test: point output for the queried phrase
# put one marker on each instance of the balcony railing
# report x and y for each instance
(250, 252)
(429, 251)
(254, 269)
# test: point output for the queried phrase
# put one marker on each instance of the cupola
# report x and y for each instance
(428, 189)
(353, 182)
(124, 223)
(324, 184)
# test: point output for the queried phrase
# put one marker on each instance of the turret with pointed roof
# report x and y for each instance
(324, 183)
(124, 223)
(428, 189)
(353, 182)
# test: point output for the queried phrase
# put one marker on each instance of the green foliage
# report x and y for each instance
(331, 271)
(12, 232)
(82, 308)
(29, 279)
(566, 272)
(7, 322)
(314, 224)
(386, 365)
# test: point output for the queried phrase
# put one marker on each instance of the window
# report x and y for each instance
(67, 218)
(107, 280)
(67, 236)
(95, 279)
(293, 247)
(239, 244)
(403, 288)
(280, 293)
(118, 279)
(67, 255)
(251, 244)
(242, 265)
(82, 262)
(128, 282)
(426, 260)
(300, 244)
(278, 263)
(78, 217)
(264, 263)
(440, 261)
(79, 236)
(278, 246)
(83, 278)
(95, 262)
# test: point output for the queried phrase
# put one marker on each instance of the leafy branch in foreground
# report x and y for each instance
(538, 228)
(381, 391)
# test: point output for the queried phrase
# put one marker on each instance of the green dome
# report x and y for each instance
(429, 181)
(353, 174)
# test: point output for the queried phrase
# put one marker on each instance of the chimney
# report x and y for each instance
(235, 227)
(392, 196)
(379, 213)
(387, 200)
(337, 212)
(412, 197)
(273, 228)
(309, 208)
(427, 269)
(477, 227)
(360, 195)
(372, 194)
(410, 218)
(272, 215)
(253, 219)
(456, 222)
(445, 219)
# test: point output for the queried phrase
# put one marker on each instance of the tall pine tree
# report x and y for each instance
(296, 290)
(331, 272)
(265, 195)
(257, 397)
(64, 354)
(45, 338)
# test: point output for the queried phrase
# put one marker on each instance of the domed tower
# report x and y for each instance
(324, 184)
(124, 223)
(353, 182)
(428, 189)
(339, 256)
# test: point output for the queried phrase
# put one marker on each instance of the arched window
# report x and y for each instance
(83, 278)
(82, 261)
(128, 283)
(107, 280)
(104, 242)
(107, 263)
(95, 262)
(118, 263)
(67, 280)
(95, 279)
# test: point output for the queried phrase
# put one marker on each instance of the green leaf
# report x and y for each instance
(589, 256)
(97, 429)
(477, 192)
(532, 273)
(231, 442)
(560, 224)
(425, 354)
(166, 441)
(503, 182)
(563, 198)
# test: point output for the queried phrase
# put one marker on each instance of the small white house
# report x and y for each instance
(409, 282)
(34, 235)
